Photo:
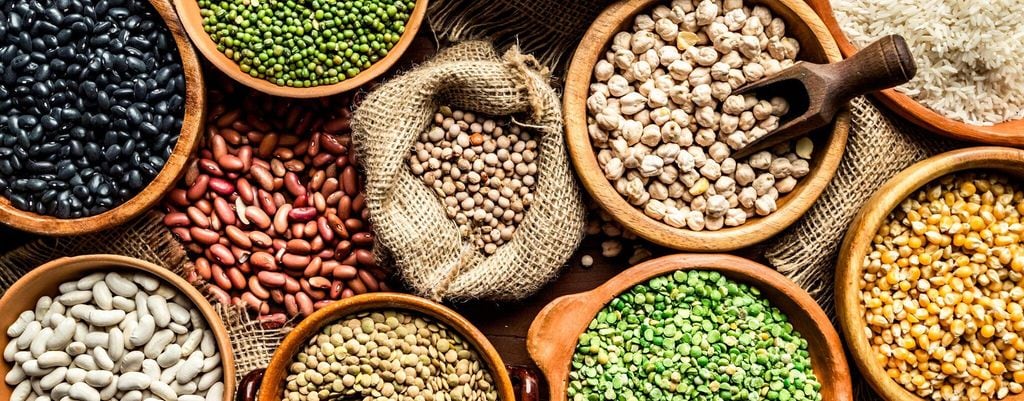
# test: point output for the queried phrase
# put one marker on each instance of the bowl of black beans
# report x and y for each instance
(101, 104)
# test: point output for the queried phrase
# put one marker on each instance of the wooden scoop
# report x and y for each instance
(815, 92)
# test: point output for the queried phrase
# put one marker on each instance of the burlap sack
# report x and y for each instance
(409, 220)
(146, 238)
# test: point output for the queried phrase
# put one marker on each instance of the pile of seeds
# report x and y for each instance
(91, 102)
(943, 293)
(112, 336)
(304, 44)
(273, 209)
(483, 168)
(664, 122)
(389, 355)
(691, 335)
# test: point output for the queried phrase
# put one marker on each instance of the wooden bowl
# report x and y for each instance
(272, 385)
(816, 46)
(858, 243)
(188, 11)
(45, 279)
(552, 338)
(1009, 133)
(188, 139)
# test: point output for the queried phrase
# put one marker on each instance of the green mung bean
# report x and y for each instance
(305, 43)
(691, 335)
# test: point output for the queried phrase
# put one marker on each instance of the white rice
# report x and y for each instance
(969, 53)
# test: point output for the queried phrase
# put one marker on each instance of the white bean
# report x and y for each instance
(105, 318)
(99, 378)
(156, 345)
(162, 390)
(73, 298)
(15, 376)
(115, 345)
(83, 392)
(158, 308)
(132, 361)
(50, 380)
(120, 285)
(133, 381)
(216, 392)
(21, 392)
(52, 359)
(75, 375)
(103, 360)
(62, 334)
(101, 296)
(38, 345)
(89, 281)
(19, 325)
(29, 334)
(147, 282)
(192, 367)
(170, 356)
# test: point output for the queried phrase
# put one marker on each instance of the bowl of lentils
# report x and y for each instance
(302, 49)
(652, 120)
(690, 327)
(102, 103)
(930, 280)
(382, 346)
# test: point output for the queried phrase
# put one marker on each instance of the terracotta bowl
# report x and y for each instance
(858, 243)
(188, 11)
(554, 333)
(271, 383)
(45, 279)
(816, 46)
(1010, 133)
(191, 128)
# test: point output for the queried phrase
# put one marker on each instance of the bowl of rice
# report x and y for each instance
(970, 59)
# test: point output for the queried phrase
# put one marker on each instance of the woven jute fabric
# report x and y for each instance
(428, 250)
(548, 29)
(146, 238)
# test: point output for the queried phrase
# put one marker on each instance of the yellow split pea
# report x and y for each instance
(943, 293)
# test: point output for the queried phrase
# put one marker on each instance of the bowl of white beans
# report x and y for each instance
(108, 327)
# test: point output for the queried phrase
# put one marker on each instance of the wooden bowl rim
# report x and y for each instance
(104, 262)
(738, 269)
(311, 325)
(1006, 133)
(857, 244)
(756, 229)
(173, 168)
(188, 11)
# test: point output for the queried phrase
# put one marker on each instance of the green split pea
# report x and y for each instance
(691, 335)
(305, 43)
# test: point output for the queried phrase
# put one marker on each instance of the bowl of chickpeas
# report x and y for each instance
(930, 280)
(652, 120)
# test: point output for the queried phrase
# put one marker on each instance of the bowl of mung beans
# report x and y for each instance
(302, 49)
(690, 326)
(929, 280)
(101, 111)
(382, 346)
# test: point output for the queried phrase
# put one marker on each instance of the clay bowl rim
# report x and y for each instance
(67, 268)
(827, 154)
(1005, 134)
(188, 11)
(857, 244)
(174, 167)
(272, 383)
(552, 349)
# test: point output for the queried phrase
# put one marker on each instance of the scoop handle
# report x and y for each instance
(883, 64)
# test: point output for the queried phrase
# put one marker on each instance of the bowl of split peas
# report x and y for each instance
(302, 49)
(388, 346)
(929, 280)
(695, 326)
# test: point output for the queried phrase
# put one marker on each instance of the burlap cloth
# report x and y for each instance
(146, 238)
(429, 252)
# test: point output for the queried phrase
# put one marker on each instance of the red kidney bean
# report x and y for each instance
(202, 267)
(274, 195)
(176, 219)
(204, 236)
(345, 272)
(271, 279)
(197, 217)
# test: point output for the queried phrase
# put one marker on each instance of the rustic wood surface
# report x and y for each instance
(193, 22)
(816, 46)
(859, 241)
(45, 280)
(1006, 134)
(191, 128)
